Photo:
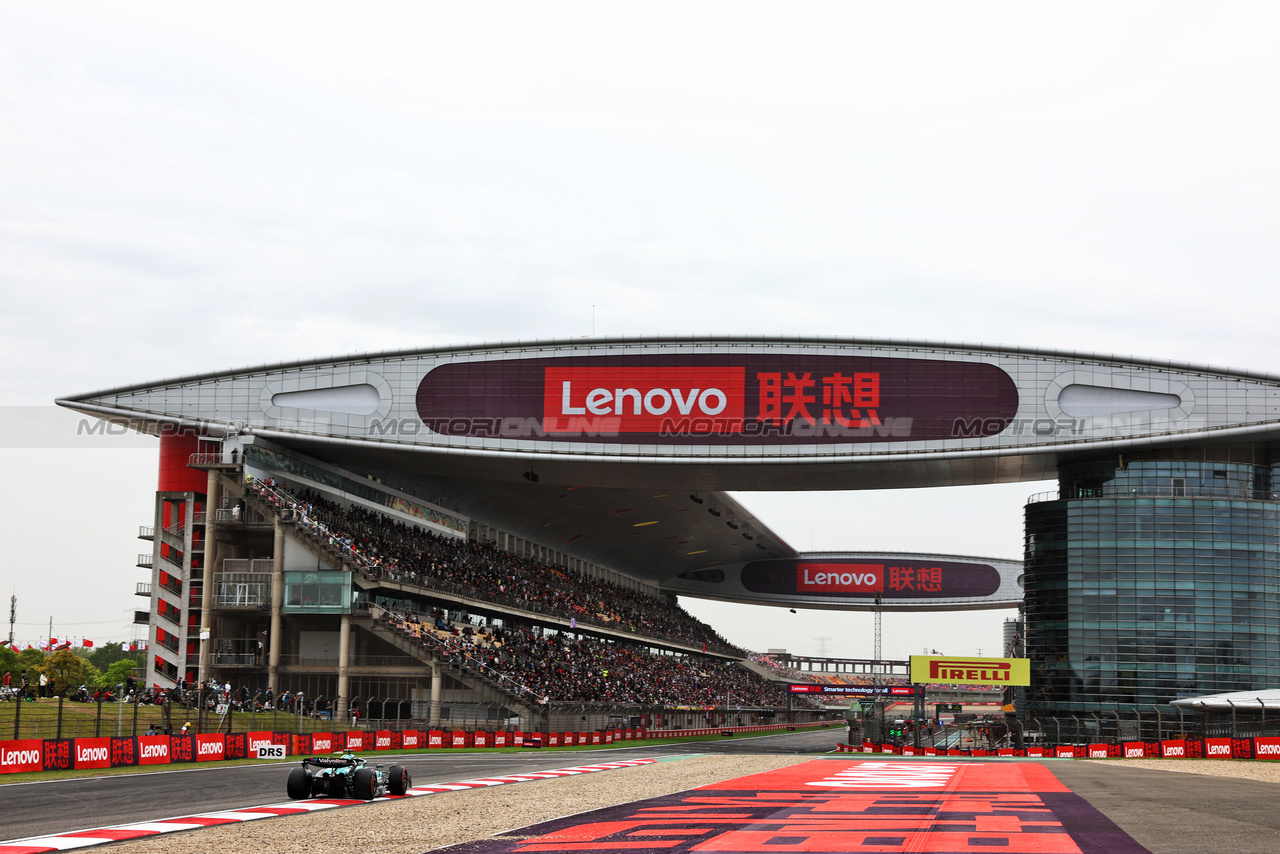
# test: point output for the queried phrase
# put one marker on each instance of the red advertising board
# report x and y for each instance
(1266, 747)
(501, 739)
(1135, 749)
(22, 755)
(355, 741)
(1217, 748)
(1173, 748)
(411, 739)
(482, 739)
(435, 738)
(210, 747)
(154, 749)
(259, 738)
(458, 739)
(382, 740)
(322, 742)
(92, 752)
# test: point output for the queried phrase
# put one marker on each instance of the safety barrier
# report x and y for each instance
(1257, 747)
(61, 754)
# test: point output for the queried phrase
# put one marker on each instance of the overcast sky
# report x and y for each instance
(190, 188)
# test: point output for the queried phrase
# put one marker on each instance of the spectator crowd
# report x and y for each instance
(386, 548)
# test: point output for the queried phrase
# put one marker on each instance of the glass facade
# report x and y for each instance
(323, 592)
(1151, 581)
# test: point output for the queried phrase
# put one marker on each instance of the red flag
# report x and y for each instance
(66, 645)
(87, 642)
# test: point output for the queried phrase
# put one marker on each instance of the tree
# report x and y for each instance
(9, 661)
(109, 653)
(30, 659)
(65, 670)
(116, 674)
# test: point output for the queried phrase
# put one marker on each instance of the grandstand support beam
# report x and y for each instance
(277, 603)
(437, 690)
(213, 496)
(344, 667)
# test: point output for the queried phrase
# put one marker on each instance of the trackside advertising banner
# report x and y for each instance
(970, 670)
(836, 578)
(718, 399)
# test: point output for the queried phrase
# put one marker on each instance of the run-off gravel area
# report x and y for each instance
(415, 825)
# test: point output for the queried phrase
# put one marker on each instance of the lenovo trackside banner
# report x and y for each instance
(891, 578)
(962, 670)
(746, 399)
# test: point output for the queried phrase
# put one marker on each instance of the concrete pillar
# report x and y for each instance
(437, 688)
(213, 497)
(344, 667)
(277, 605)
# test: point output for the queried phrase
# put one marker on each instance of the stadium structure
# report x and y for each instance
(322, 525)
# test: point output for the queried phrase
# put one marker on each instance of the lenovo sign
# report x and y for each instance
(645, 400)
(720, 399)
(839, 578)
(892, 578)
(21, 755)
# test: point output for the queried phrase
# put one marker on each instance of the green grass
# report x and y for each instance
(40, 720)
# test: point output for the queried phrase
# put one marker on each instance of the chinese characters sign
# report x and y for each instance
(724, 399)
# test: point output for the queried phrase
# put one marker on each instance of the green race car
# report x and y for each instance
(345, 776)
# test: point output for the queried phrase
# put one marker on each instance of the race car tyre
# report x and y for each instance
(400, 781)
(298, 785)
(366, 784)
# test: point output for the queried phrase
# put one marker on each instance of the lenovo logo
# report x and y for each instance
(1134, 752)
(839, 577)
(19, 757)
(209, 748)
(645, 400)
(155, 751)
(1217, 750)
(91, 754)
(321, 744)
(1262, 749)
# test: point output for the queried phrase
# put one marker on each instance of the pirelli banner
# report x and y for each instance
(951, 670)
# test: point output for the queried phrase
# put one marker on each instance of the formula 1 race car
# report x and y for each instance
(345, 776)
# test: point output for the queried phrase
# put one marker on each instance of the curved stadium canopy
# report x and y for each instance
(621, 450)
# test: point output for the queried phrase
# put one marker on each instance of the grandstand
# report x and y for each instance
(380, 608)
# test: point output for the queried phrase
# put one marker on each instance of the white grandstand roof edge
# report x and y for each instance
(1068, 355)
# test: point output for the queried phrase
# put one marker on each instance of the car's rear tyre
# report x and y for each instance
(366, 784)
(400, 781)
(298, 785)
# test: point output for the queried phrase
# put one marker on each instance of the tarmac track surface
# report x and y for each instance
(1167, 813)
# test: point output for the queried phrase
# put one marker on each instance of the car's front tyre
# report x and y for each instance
(399, 780)
(365, 785)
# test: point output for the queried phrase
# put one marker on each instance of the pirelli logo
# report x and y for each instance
(970, 671)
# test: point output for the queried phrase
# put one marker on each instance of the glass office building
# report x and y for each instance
(1152, 580)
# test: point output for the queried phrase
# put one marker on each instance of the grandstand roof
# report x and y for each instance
(620, 450)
